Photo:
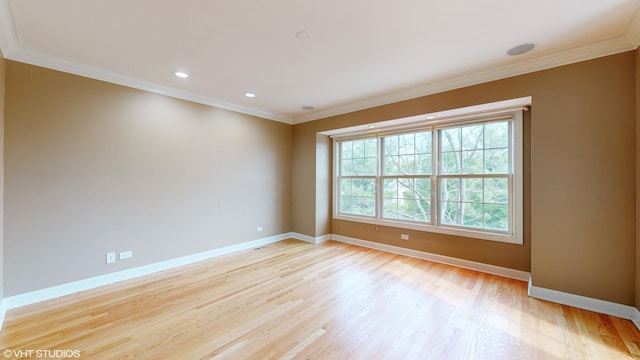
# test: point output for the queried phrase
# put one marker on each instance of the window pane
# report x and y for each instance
(423, 210)
(358, 148)
(358, 196)
(358, 166)
(496, 191)
(359, 157)
(496, 135)
(407, 199)
(475, 149)
(369, 187)
(423, 164)
(369, 206)
(345, 204)
(450, 213)
(405, 188)
(408, 154)
(496, 217)
(451, 162)
(472, 137)
(450, 190)
(391, 166)
(472, 162)
(390, 187)
(370, 165)
(347, 167)
(390, 208)
(407, 164)
(423, 142)
(390, 145)
(345, 187)
(423, 188)
(371, 148)
(496, 161)
(450, 139)
(406, 144)
(472, 190)
(423, 199)
(472, 215)
(347, 149)
(356, 187)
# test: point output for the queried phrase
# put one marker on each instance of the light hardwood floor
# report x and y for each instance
(331, 301)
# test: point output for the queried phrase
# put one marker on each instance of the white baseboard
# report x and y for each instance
(577, 301)
(582, 302)
(310, 239)
(586, 303)
(635, 317)
(466, 264)
(32, 297)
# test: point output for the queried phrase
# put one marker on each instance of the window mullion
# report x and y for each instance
(379, 170)
(435, 171)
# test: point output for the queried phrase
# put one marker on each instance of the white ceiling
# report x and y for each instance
(361, 53)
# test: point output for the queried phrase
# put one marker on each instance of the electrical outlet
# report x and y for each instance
(126, 254)
(111, 257)
(259, 229)
(404, 237)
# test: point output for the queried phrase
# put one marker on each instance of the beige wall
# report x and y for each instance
(324, 162)
(93, 167)
(303, 184)
(579, 207)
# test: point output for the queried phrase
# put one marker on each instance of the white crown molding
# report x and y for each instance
(481, 75)
(10, 46)
(633, 30)
(111, 77)
(8, 37)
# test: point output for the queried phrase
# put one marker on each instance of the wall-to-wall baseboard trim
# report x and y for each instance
(586, 303)
(32, 297)
(581, 302)
(310, 239)
(467, 264)
(635, 317)
(577, 301)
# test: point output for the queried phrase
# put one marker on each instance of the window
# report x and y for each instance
(358, 169)
(461, 177)
(406, 176)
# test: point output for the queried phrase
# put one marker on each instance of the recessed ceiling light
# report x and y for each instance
(372, 126)
(520, 49)
(180, 74)
(308, 107)
(250, 94)
(430, 117)
(303, 35)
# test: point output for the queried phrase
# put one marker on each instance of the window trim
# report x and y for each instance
(515, 236)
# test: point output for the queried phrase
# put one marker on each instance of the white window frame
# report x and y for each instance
(514, 235)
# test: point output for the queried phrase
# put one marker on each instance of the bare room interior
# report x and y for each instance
(320, 180)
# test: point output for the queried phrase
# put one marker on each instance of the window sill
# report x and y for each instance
(481, 235)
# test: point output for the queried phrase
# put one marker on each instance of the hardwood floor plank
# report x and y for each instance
(293, 300)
